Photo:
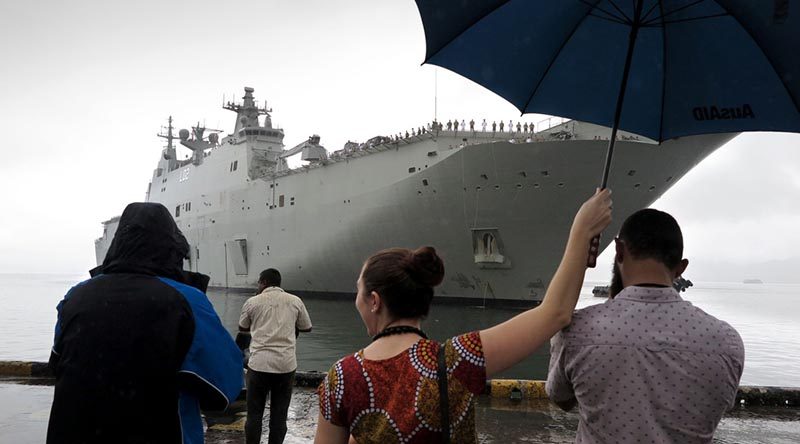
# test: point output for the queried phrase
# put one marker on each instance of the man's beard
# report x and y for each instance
(616, 281)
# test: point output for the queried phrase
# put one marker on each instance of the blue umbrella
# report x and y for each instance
(661, 69)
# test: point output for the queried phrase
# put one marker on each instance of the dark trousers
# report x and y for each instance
(279, 388)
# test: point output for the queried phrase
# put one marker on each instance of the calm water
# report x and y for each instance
(765, 315)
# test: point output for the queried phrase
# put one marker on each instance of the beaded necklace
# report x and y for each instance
(399, 330)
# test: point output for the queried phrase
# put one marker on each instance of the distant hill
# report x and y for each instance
(778, 271)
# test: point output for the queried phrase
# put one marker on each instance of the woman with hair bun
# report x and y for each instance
(390, 391)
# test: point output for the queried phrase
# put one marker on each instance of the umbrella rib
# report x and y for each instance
(690, 19)
(612, 20)
(470, 25)
(553, 60)
(750, 33)
(657, 3)
(619, 10)
(610, 14)
(664, 15)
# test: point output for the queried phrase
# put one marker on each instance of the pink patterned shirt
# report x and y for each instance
(646, 367)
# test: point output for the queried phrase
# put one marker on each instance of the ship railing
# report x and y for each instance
(473, 136)
(550, 122)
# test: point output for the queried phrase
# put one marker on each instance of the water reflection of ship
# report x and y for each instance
(497, 205)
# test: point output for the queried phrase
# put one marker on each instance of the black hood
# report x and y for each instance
(148, 241)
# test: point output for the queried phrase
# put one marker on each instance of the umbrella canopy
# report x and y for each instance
(696, 66)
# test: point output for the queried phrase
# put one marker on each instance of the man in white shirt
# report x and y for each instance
(273, 319)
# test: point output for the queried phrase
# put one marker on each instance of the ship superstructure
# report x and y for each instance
(496, 205)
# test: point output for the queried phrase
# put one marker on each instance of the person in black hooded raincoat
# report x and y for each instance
(138, 348)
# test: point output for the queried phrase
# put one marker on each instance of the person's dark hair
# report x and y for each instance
(270, 277)
(404, 279)
(653, 234)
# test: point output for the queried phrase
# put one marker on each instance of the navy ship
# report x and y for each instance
(496, 203)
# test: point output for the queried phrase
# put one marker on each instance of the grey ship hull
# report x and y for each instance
(446, 189)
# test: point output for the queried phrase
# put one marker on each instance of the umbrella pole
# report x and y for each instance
(594, 245)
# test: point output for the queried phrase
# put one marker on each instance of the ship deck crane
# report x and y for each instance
(311, 150)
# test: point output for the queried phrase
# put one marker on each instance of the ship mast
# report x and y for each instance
(169, 153)
(248, 112)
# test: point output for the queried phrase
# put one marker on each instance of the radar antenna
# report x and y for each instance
(247, 111)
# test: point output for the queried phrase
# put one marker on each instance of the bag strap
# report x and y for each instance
(444, 404)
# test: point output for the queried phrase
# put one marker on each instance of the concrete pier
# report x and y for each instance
(510, 411)
(512, 389)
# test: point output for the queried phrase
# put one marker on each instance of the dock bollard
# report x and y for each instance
(516, 389)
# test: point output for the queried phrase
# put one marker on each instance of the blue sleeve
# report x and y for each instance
(55, 351)
(212, 369)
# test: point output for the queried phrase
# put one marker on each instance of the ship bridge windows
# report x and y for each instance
(258, 132)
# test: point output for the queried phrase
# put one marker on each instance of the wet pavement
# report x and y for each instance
(24, 411)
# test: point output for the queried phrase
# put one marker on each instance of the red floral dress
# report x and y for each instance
(396, 400)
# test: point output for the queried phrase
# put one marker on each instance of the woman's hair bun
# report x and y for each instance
(426, 267)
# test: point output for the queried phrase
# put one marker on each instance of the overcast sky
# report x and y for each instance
(86, 85)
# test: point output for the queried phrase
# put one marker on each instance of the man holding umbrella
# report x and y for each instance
(646, 366)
